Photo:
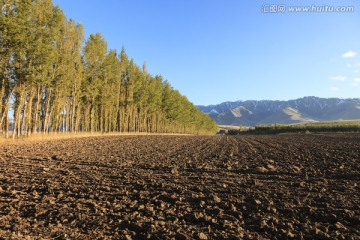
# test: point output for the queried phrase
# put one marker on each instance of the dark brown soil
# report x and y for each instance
(182, 187)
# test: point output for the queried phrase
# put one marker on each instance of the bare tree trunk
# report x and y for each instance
(29, 116)
(78, 119)
(68, 126)
(92, 118)
(23, 120)
(17, 113)
(47, 112)
(6, 108)
(36, 113)
(7, 123)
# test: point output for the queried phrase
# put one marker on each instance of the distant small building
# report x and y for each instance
(221, 133)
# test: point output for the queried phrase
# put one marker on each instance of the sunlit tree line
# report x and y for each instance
(52, 80)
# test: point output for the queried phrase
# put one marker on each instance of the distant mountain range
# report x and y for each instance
(302, 110)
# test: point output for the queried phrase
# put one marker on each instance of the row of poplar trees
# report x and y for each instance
(51, 80)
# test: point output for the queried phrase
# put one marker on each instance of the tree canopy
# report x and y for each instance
(52, 80)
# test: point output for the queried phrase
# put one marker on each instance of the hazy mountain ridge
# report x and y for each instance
(302, 110)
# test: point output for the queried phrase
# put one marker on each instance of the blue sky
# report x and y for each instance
(214, 51)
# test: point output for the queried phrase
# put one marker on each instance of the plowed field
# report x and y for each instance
(182, 187)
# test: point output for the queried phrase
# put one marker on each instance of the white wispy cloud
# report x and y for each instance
(335, 89)
(357, 64)
(357, 79)
(354, 84)
(356, 71)
(349, 54)
(339, 78)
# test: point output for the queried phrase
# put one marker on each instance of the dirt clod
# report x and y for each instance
(202, 236)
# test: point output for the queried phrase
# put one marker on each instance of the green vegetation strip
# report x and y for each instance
(333, 126)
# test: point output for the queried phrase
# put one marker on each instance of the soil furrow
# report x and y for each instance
(182, 187)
